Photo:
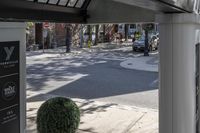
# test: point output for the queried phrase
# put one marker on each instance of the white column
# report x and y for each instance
(179, 34)
(10, 31)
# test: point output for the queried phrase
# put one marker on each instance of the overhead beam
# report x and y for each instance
(165, 6)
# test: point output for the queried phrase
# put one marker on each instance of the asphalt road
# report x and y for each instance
(92, 77)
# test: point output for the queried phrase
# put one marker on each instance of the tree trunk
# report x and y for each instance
(81, 37)
(96, 34)
(39, 34)
(89, 33)
(89, 36)
(104, 33)
(116, 28)
(68, 37)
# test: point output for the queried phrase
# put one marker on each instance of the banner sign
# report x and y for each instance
(9, 87)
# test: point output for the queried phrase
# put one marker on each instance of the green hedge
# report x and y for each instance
(58, 115)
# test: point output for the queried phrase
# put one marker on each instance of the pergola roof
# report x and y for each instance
(65, 3)
(83, 11)
(71, 11)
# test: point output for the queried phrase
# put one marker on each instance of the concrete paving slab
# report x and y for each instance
(101, 117)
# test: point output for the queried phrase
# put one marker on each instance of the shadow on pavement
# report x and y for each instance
(102, 80)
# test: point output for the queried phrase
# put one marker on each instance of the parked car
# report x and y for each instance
(139, 45)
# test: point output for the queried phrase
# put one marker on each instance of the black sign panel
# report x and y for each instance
(9, 87)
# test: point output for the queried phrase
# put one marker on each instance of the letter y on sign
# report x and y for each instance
(9, 52)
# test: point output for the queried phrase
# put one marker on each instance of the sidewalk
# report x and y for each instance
(96, 117)
(99, 117)
(144, 63)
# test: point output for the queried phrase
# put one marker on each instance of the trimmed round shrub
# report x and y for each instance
(58, 115)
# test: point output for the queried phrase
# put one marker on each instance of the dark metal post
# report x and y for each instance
(146, 48)
(126, 32)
